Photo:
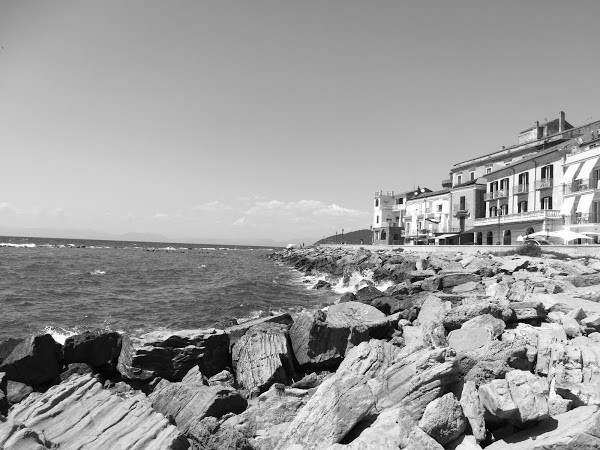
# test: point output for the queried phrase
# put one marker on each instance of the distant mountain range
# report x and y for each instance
(353, 237)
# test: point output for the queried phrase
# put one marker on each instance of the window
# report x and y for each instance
(458, 179)
(507, 237)
(523, 178)
(383, 235)
(547, 172)
(490, 238)
(479, 238)
(493, 211)
(488, 170)
(503, 210)
(439, 208)
(471, 176)
(376, 202)
(462, 203)
(546, 203)
(399, 201)
(377, 219)
(522, 207)
(461, 222)
(504, 183)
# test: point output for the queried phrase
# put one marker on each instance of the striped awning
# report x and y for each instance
(586, 169)
(584, 203)
(567, 206)
(570, 173)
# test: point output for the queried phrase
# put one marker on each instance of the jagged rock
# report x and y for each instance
(7, 346)
(187, 403)
(518, 399)
(79, 413)
(493, 360)
(472, 409)
(172, 355)
(454, 318)
(433, 309)
(464, 442)
(223, 378)
(527, 333)
(576, 429)
(592, 321)
(320, 340)
(16, 436)
(469, 286)
(498, 290)
(16, 392)
(76, 368)
(410, 379)
(512, 265)
(449, 280)
(476, 333)
(263, 356)
(367, 294)
(322, 284)
(194, 376)
(237, 331)
(565, 301)
(34, 361)
(208, 434)
(528, 310)
(430, 334)
(95, 348)
(419, 275)
(443, 419)
(432, 284)
(347, 297)
(549, 334)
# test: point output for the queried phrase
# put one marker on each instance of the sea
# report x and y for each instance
(66, 286)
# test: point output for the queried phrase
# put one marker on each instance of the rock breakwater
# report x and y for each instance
(458, 352)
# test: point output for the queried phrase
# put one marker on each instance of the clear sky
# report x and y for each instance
(249, 121)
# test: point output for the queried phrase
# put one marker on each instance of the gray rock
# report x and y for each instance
(16, 392)
(34, 361)
(458, 315)
(443, 419)
(476, 333)
(528, 311)
(93, 347)
(472, 409)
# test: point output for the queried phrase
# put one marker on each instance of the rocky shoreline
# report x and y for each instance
(460, 352)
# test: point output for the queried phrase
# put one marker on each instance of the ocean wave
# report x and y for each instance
(10, 244)
(60, 334)
(97, 272)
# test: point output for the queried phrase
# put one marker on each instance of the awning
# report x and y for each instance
(567, 206)
(586, 169)
(444, 236)
(570, 173)
(584, 203)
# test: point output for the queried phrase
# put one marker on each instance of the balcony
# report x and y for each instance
(500, 193)
(397, 207)
(528, 216)
(582, 185)
(544, 183)
(521, 189)
(582, 219)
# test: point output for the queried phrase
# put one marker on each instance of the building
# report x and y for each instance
(548, 181)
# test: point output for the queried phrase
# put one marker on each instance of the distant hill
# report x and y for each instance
(352, 237)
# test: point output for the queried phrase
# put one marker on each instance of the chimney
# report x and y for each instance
(561, 121)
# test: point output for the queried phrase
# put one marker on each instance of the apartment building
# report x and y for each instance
(548, 181)
(389, 210)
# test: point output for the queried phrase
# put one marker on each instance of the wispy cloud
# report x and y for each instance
(212, 206)
(160, 216)
(311, 207)
(242, 221)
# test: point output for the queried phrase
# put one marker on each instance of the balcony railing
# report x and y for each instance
(521, 189)
(519, 217)
(582, 218)
(397, 207)
(544, 183)
(582, 185)
(500, 193)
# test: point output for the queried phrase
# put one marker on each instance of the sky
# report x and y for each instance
(259, 122)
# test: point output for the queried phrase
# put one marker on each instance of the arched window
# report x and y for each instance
(479, 238)
(507, 238)
(489, 238)
(383, 235)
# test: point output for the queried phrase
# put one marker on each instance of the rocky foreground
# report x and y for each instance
(458, 353)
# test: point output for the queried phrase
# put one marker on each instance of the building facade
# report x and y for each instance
(548, 181)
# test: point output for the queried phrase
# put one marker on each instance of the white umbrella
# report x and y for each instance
(540, 233)
(568, 235)
(520, 239)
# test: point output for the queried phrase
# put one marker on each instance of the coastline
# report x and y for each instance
(456, 350)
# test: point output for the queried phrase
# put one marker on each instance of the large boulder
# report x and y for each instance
(454, 318)
(367, 294)
(172, 355)
(92, 347)
(210, 434)
(237, 331)
(79, 413)
(433, 310)
(576, 429)
(34, 361)
(518, 399)
(320, 340)
(443, 419)
(472, 409)
(263, 356)
(476, 332)
(528, 311)
(455, 278)
(189, 403)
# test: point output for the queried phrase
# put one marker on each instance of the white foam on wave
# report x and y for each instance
(59, 334)
(359, 280)
(10, 244)
(97, 272)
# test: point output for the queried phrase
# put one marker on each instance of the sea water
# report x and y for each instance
(67, 286)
